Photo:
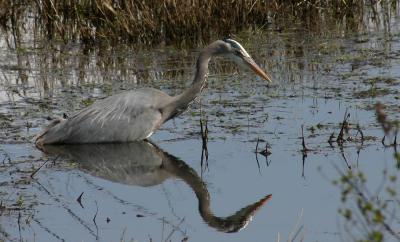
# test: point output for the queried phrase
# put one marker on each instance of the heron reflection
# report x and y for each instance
(144, 164)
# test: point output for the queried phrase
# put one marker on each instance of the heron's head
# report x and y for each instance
(235, 51)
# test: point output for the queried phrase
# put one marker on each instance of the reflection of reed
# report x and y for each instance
(143, 164)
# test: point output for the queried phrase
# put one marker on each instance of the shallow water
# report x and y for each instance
(317, 79)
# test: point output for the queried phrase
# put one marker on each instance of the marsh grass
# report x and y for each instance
(172, 21)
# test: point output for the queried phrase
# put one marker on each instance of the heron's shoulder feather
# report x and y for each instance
(129, 103)
(143, 97)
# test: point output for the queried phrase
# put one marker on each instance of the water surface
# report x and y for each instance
(317, 80)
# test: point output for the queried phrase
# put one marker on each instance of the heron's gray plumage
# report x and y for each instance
(135, 115)
(113, 119)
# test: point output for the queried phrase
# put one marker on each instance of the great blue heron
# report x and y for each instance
(136, 114)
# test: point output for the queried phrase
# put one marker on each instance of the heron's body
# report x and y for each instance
(135, 115)
(113, 119)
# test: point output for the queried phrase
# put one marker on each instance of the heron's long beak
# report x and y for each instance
(253, 65)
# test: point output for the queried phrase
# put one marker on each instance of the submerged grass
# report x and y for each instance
(166, 21)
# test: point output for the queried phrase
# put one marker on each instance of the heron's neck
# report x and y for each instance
(199, 80)
(182, 101)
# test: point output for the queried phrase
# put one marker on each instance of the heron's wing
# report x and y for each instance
(128, 116)
(115, 109)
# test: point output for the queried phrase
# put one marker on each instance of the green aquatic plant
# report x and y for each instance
(20, 201)
(369, 215)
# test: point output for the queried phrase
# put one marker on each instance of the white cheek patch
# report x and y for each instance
(244, 52)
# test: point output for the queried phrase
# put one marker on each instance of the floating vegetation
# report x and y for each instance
(373, 92)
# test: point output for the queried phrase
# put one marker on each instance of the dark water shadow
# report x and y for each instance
(144, 164)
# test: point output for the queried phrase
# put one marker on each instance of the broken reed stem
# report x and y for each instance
(360, 132)
(204, 131)
(258, 163)
(265, 152)
(303, 142)
(19, 226)
(40, 167)
(331, 139)
(258, 141)
(204, 138)
(340, 138)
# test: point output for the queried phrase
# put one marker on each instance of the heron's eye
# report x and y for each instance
(238, 53)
